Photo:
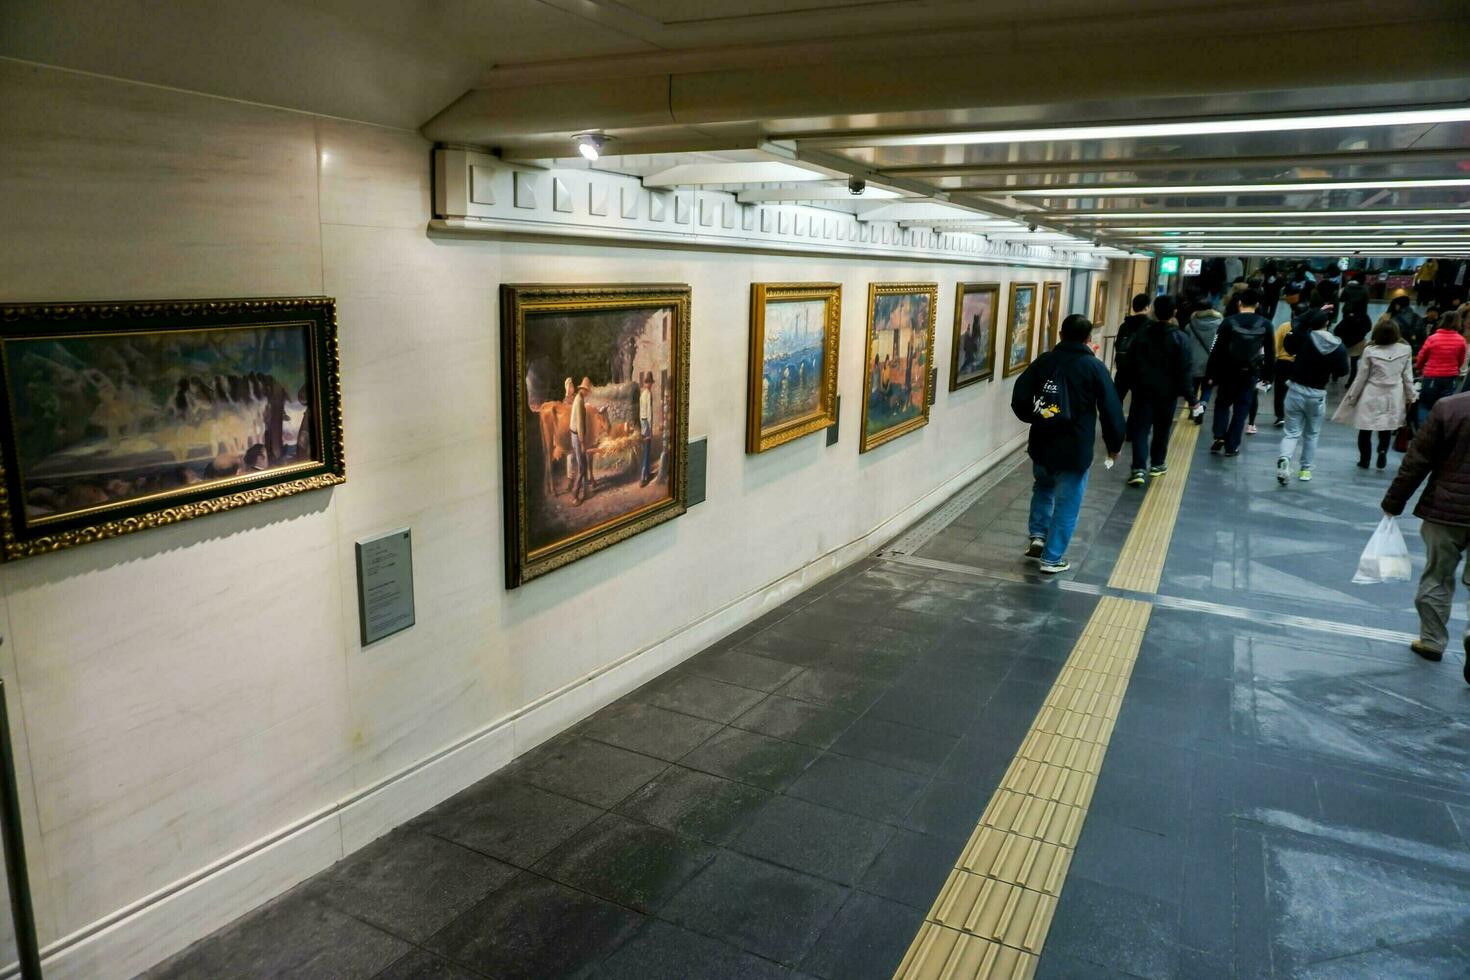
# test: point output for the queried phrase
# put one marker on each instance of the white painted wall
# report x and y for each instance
(194, 698)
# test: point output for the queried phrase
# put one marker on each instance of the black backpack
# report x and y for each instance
(1049, 401)
(1246, 349)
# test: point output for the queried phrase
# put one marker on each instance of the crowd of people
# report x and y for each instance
(1398, 372)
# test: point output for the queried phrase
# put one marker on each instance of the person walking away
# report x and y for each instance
(1424, 278)
(1234, 269)
(1282, 372)
(1199, 341)
(1412, 326)
(1378, 400)
(1319, 357)
(1270, 290)
(1354, 291)
(1244, 345)
(1440, 362)
(1158, 376)
(1353, 331)
(1441, 452)
(1127, 330)
(1063, 395)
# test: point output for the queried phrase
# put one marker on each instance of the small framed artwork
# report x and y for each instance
(1051, 316)
(976, 309)
(792, 389)
(899, 350)
(1020, 322)
(595, 388)
(1099, 302)
(118, 417)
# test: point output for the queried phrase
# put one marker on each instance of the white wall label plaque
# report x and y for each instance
(385, 584)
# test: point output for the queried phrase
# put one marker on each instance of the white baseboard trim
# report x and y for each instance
(159, 925)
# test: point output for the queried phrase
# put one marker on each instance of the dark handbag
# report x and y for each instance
(1401, 439)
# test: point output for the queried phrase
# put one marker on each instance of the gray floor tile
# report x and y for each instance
(408, 883)
(626, 861)
(820, 841)
(894, 745)
(835, 689)
(423, 965)
(665, 952)
(290, 936)
(860, 787)
(593, 772)
(535, 928)
(866, 941)
(650, 731)
(750, 758)
(761, 908)
(742, 669)
(510, 820)
(1134, 860)
(695, 804)
(912, 869)
(702, 697)
(796, 721)
(950, 810)
(1114, 929)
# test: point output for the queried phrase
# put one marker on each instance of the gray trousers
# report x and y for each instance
(1444, 546)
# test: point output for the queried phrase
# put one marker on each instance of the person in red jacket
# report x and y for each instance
(1440, 362)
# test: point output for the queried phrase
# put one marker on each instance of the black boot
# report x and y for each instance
(1362, 462)
(1382, 459)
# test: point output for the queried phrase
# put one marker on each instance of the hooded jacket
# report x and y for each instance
(1200, 339)
(1319, 354)
(1068, 446)
(1158, 364)
(1380, 395)
(1441, 452)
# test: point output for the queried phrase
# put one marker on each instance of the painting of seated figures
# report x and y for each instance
(124, 416)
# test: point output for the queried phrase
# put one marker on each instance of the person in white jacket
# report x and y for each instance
(1379, 397)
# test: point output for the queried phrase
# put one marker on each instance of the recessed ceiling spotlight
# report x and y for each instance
(590, 144)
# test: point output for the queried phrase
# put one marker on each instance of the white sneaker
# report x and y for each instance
(1197, 411)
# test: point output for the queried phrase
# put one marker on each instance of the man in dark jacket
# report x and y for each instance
(1126, 331)
(1319, 357)
(1158, 375)
(1244, 345)
(1062, 395)
(1440, 451)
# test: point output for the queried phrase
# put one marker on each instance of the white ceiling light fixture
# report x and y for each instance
(1196, 190)
(1122, 214)
(1203, 127)
(1232, 229)
(590, 145)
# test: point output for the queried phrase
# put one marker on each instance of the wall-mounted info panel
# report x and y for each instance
(385, 584)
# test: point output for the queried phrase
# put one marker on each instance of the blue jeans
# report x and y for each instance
(1056, 497)
(1304, 410)
(1433, 389)
(1231, 410)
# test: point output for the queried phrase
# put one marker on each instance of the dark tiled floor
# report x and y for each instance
(789, 802)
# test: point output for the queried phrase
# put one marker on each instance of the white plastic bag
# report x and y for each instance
(1386, 559)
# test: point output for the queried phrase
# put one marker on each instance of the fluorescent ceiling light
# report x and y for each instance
(1200, 127)
(1231, 229)
(1122, 214)
(1195, 190)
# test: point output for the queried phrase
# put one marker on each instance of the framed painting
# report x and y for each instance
(1099, 302)
(792, 388)
(972, 357)
(899, 350)
(118, 417)
(595, 388)
(1020, 320)
(1051, 316)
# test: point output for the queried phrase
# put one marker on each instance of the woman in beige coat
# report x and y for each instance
(1379, 397)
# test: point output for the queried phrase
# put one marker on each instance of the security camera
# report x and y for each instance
(856, 185)
(1030, 227)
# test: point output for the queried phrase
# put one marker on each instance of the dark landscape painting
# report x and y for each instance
(973, 356)
(104, 420)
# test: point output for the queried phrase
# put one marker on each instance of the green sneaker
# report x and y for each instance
(1158, 469)
(1135, 479)
(1305, 475)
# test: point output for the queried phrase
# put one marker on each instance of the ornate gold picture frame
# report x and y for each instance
(1099, 302)
(792, 384)
(1050, 328)
(897, 388)
(595, 389)
(976, 314)
(118, 417)
(1020, 322)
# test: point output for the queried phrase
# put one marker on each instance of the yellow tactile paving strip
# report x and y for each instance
(991, 918)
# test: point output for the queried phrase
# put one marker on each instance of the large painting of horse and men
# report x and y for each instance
(596, 390)
(123, 416)
(900, 349)
(794, 330)
(973, 356)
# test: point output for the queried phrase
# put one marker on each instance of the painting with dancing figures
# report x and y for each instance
(596, 386)
(1019, 319)
(124, 416)
(900, 348)
(793, 368)
(973, 356)
(1051, 308)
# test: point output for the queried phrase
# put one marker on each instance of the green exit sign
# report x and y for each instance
(1169, 264)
